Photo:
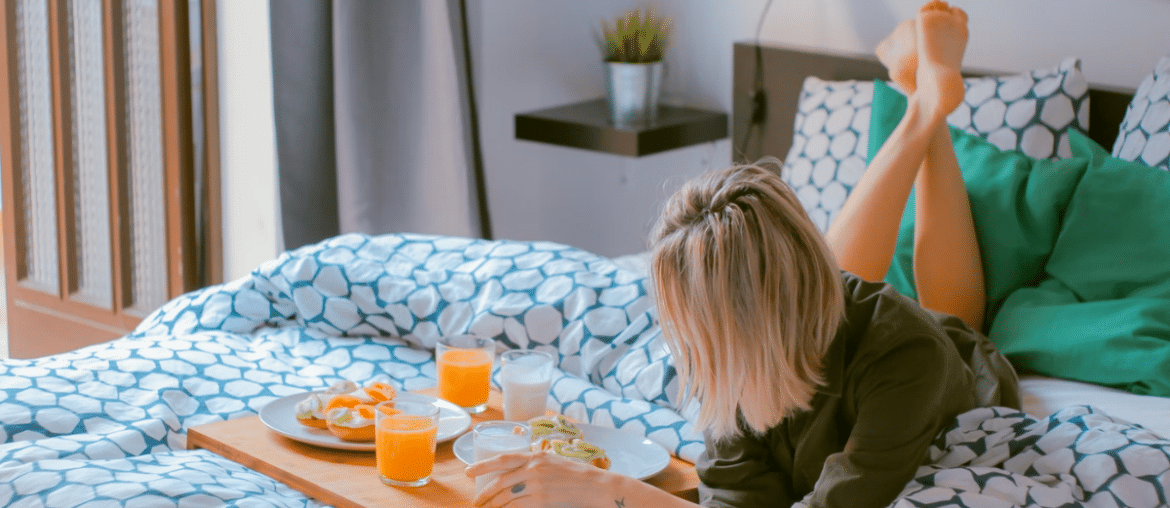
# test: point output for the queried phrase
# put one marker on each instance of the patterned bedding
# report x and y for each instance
(105, 425)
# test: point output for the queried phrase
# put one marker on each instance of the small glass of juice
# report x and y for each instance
(463, 364)
(525, 377)
(496, 438)
(404, 441)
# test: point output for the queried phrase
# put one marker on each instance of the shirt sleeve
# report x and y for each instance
(903, 399)
(744, 472)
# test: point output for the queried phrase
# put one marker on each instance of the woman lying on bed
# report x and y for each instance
(814, 383)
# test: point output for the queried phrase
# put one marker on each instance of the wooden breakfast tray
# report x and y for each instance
(347, 479)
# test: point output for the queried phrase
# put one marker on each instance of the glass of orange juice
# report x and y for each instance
(404, 441)
(463, 364)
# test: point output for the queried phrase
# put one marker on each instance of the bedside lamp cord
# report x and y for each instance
(759, 97)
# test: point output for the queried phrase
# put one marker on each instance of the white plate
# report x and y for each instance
(280, 416)
(629, 453)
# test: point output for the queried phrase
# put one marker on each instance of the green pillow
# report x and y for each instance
(1076, 256)
(1016, 202)
(1105, 304)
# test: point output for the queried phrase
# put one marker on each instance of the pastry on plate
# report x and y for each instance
(580, 450)
(313, 410)
(352, 423)
(545, 428)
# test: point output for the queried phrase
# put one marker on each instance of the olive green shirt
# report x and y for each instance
(895, 376)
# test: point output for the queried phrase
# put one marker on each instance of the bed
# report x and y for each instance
(105, 425)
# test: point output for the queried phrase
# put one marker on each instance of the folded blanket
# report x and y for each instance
(1076, 256)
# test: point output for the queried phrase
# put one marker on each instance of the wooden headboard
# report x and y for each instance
(785, 67)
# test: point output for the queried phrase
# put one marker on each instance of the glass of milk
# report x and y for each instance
(525, 377)
(496, 438)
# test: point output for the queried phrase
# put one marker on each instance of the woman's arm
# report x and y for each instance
(541, 479)
(903, 399)
(746, 471)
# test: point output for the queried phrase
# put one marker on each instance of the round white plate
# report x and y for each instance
(280, 416)
(629, 453)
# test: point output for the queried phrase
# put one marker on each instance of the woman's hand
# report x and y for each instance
(540, 479)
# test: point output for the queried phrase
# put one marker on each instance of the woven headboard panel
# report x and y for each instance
(785, 67)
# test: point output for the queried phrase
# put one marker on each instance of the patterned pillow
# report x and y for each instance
(1030, 112)
(829, 145)
(1145, 132)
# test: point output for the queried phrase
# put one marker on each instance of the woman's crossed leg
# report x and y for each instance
(923, 56)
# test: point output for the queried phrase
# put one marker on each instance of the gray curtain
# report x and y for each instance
(375, 119)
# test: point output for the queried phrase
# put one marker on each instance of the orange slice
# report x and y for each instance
(342, 401)
(365, 411)
(380, 391)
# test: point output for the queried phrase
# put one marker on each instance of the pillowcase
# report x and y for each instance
(829, 145)
(1145, 132)
(1075, 256)
(1031, 112)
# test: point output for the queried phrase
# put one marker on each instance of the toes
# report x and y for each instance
(940, 7)
(934, 5)
(959, 14)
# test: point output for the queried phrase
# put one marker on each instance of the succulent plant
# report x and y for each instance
(638, 36)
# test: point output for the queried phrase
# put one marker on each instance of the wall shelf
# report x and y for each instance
(586, 125)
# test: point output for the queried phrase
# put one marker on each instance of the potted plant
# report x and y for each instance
(633, 47)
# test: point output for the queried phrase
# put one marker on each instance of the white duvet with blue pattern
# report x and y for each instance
(104, 426)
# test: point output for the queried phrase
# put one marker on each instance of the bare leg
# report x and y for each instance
(864, 233)
(924, 57)
(948, 268)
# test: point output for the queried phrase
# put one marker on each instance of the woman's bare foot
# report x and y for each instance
(899, 53)
(941, 32)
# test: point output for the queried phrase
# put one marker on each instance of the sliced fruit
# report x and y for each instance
(380, 391)
(342, 401)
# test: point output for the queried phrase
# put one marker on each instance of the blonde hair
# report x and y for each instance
(749, 297)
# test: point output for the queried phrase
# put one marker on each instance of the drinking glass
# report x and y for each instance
(495, 438)
(525, 376)
(404, 441)
(463, 364)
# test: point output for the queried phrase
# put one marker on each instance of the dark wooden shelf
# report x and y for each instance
(587, 125)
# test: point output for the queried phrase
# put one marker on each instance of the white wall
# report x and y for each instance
(532, 54)
(1118, 40)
